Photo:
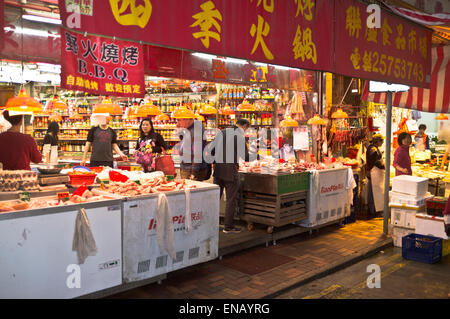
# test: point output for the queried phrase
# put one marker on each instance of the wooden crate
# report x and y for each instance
(274, 210)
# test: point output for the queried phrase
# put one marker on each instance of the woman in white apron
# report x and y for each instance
(50, 149)
(375, 176)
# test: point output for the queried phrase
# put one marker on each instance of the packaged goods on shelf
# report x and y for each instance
(11, 181)
(412, 185)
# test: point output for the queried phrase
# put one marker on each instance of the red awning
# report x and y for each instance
(435, 100)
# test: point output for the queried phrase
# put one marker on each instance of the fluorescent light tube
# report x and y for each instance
(41, 19)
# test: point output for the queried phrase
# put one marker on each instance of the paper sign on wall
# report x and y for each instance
(301, 138)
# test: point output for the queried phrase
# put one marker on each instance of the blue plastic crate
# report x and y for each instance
(427, 249)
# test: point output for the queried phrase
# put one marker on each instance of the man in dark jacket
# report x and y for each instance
(191, 148)
(226, 167)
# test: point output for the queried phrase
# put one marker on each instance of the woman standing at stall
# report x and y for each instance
(50, 149)
(149, 143)
(375, 176)
(17, 149)
(402, 160)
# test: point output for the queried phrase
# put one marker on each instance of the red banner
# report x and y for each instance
(291, 33)
(101, 66)
(397, 52)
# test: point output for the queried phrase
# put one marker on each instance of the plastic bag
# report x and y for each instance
(117, 177)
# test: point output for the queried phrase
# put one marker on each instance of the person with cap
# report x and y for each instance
(50, 148)
(421, 140)
(375, 171)
(193, 165)
(103, 140)
(17, 149)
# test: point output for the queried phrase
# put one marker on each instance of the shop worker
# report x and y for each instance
(226, 167)
(191, 147)
(17, 149)
(50, 148)
(375, 176)
(103, 140)
(402, 160)
(444, 135)
(421, 140)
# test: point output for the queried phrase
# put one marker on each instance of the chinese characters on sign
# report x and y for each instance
(139, 15)
(101, 66)
(396, 52)
(206, 20)
(303, 45)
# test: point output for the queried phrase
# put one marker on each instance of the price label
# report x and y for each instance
(24, 196)
(64, 196)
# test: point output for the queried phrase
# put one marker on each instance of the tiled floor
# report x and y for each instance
(300, 257)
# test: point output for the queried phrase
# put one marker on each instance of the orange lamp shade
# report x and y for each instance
(289, 122)
(107, 107)
(23, 103)
(208, 110)
(316, 120)
(55, 118)
(245, 106)
(339, 114)
(199, 117)
(162, 117)
(147, 110)
(441, 117)
(227, 110)
(183, 113)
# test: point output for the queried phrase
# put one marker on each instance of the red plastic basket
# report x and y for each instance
(76, 179)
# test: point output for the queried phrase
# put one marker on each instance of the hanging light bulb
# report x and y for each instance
(289, 122)
(316, 120)
(23, 103)
(441, 117)
(339, 114)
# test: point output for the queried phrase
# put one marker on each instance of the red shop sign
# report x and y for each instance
(397, 52)
(101, 66)
(289, 32)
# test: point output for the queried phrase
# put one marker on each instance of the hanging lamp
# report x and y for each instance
(289, 122)
(339, 114)
(208, 110)
(55, 118)
(316, 120)
(57, 105)
(23, 103)
(148, 109)
(441, 117)
(107, 106)
(162, 117)
(245, 106)
(76, 116)
(183, 113)
(227, 110)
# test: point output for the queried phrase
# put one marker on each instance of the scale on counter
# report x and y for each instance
(53, 179)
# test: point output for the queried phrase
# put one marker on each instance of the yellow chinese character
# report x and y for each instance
(109, 87)
(206, 19)
(304, 48)
(423, 47)
(137, 89)
(400, 41)
(260, 32)
(303, 6)
(267, 7)
(367, 61)
(353, 21)
(87, 84)
(386, 31)
(70, 80)
(356, 58)
(139, 15)
(412, 44)
(371, 34)
(118, 88)
(127, 89)
(80, 81)
(94, 85)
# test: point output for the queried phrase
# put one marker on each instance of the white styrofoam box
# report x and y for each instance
(412, 185)
(142, 256)
(404, 217)
(431, 225)
(36, 252)
(400, 198)
(398, 233)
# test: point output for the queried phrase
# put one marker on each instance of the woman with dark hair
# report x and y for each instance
(50, 149)
(149, 143)
(17, 149)
(402, 160)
